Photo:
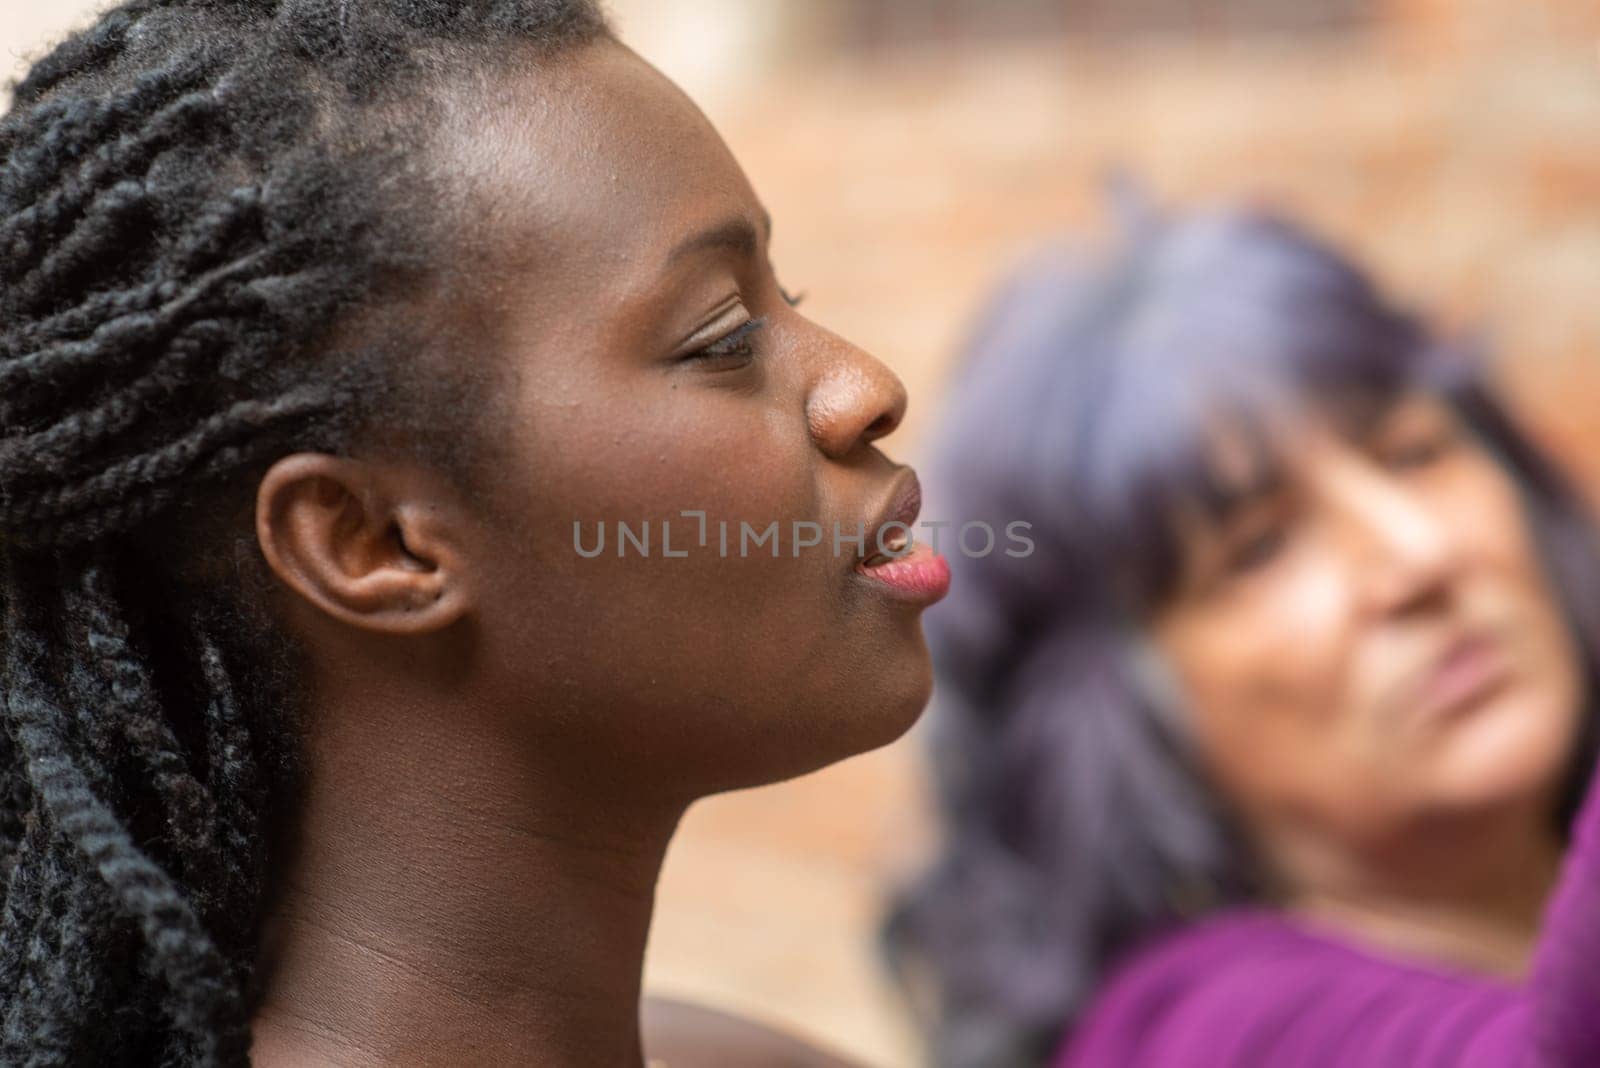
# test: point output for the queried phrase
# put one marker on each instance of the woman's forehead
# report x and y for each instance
(593, 160)
(1247, 456)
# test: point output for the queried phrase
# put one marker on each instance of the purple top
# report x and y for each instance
(1250, 988)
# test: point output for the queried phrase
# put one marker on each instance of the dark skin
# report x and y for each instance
(504, 735)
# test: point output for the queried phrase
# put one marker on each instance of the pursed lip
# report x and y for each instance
(912, 574)
(903, 506)
(1471, 665)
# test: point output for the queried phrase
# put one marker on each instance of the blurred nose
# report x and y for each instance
(854, 400)
(1409, 552)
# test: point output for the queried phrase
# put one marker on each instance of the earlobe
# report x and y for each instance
(364, 543)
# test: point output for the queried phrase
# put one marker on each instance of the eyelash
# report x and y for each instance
(735, 345)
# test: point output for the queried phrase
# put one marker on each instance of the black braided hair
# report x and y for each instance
(215, 233)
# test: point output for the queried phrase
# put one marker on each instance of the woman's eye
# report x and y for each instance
(1415, 437)
(731, 351)
(1418, 451)
(1254, 550)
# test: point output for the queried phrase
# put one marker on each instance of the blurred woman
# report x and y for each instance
(1270, 753)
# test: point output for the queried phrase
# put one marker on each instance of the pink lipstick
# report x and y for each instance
(920, 576)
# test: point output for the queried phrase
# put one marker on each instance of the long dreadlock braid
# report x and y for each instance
(198, 198)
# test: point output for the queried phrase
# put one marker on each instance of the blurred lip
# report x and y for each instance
(920, 576)
(1469, 670)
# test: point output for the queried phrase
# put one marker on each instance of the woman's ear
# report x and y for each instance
(375, 545)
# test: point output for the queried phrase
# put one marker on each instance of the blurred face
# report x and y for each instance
(655, 367)
(1368, 642)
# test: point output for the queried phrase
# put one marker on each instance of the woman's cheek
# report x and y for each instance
(1309, 638)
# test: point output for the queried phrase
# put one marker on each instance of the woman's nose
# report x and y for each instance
(1412, 551)
(854, 400)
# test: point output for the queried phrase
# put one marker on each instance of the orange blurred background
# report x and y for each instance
(910, 150)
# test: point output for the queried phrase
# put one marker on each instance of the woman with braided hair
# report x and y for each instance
(322, 326)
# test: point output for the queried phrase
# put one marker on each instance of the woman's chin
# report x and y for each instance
(835, 727)
(892, 707)
(1512, 753)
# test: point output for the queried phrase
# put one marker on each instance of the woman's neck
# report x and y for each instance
(449, 906)
(1470, 897)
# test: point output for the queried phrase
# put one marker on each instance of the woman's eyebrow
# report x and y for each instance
(737, 234)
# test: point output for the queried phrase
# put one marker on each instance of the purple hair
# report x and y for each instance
(1075, 822)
